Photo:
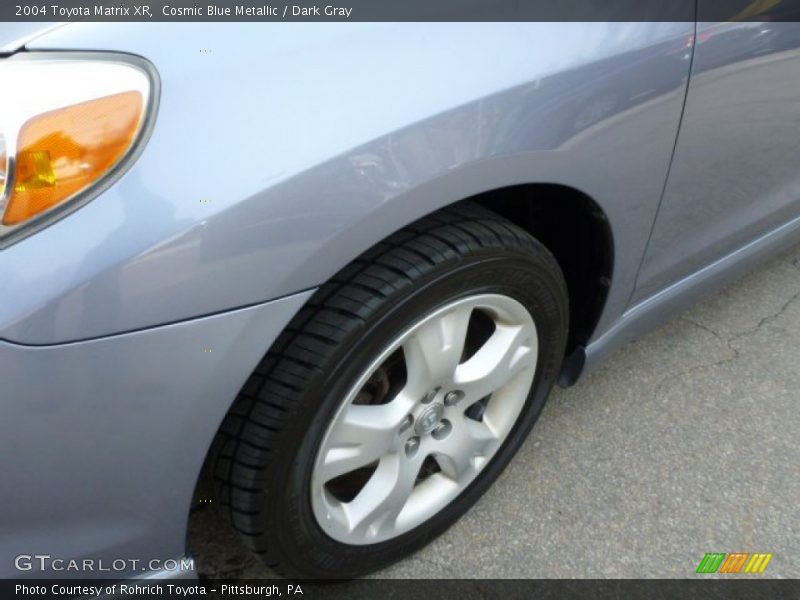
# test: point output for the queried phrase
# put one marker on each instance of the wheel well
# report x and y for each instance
(577, 232)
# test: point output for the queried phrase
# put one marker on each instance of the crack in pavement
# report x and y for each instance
(765, 320)
(727, 342)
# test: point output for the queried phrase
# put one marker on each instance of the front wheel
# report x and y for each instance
(395, 397)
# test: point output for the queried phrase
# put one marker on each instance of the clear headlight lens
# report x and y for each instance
(66, 124)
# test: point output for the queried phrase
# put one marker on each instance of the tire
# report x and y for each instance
(268, 462)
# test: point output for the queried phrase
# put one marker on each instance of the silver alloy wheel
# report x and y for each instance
(420, 449)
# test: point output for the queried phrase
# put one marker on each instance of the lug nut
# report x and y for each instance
(442, 429)
(430, 395)
(453, 397)
(412, 445)
(407, 422)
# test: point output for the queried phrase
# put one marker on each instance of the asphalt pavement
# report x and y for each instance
(684, 442)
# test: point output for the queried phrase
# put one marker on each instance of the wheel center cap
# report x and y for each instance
(429, 419)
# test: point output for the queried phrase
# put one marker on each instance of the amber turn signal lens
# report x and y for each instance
(62, 152)
(3, 163)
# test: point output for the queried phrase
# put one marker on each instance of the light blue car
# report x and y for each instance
(335, 269)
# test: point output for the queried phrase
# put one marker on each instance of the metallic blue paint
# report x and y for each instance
(103, 440)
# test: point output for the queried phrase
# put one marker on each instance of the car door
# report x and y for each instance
(735, 172)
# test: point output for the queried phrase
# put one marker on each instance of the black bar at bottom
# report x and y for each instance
(732, 588)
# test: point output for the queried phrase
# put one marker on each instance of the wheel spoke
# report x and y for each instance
(434, 349)
(363, 434)
(381, 500)
(508, 351)
(467, 441)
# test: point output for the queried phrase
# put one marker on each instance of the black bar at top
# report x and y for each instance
(402, 10)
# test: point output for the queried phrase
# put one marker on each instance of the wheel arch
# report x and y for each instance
(576, 230)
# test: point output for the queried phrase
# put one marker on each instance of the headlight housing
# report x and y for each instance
(69, 124)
